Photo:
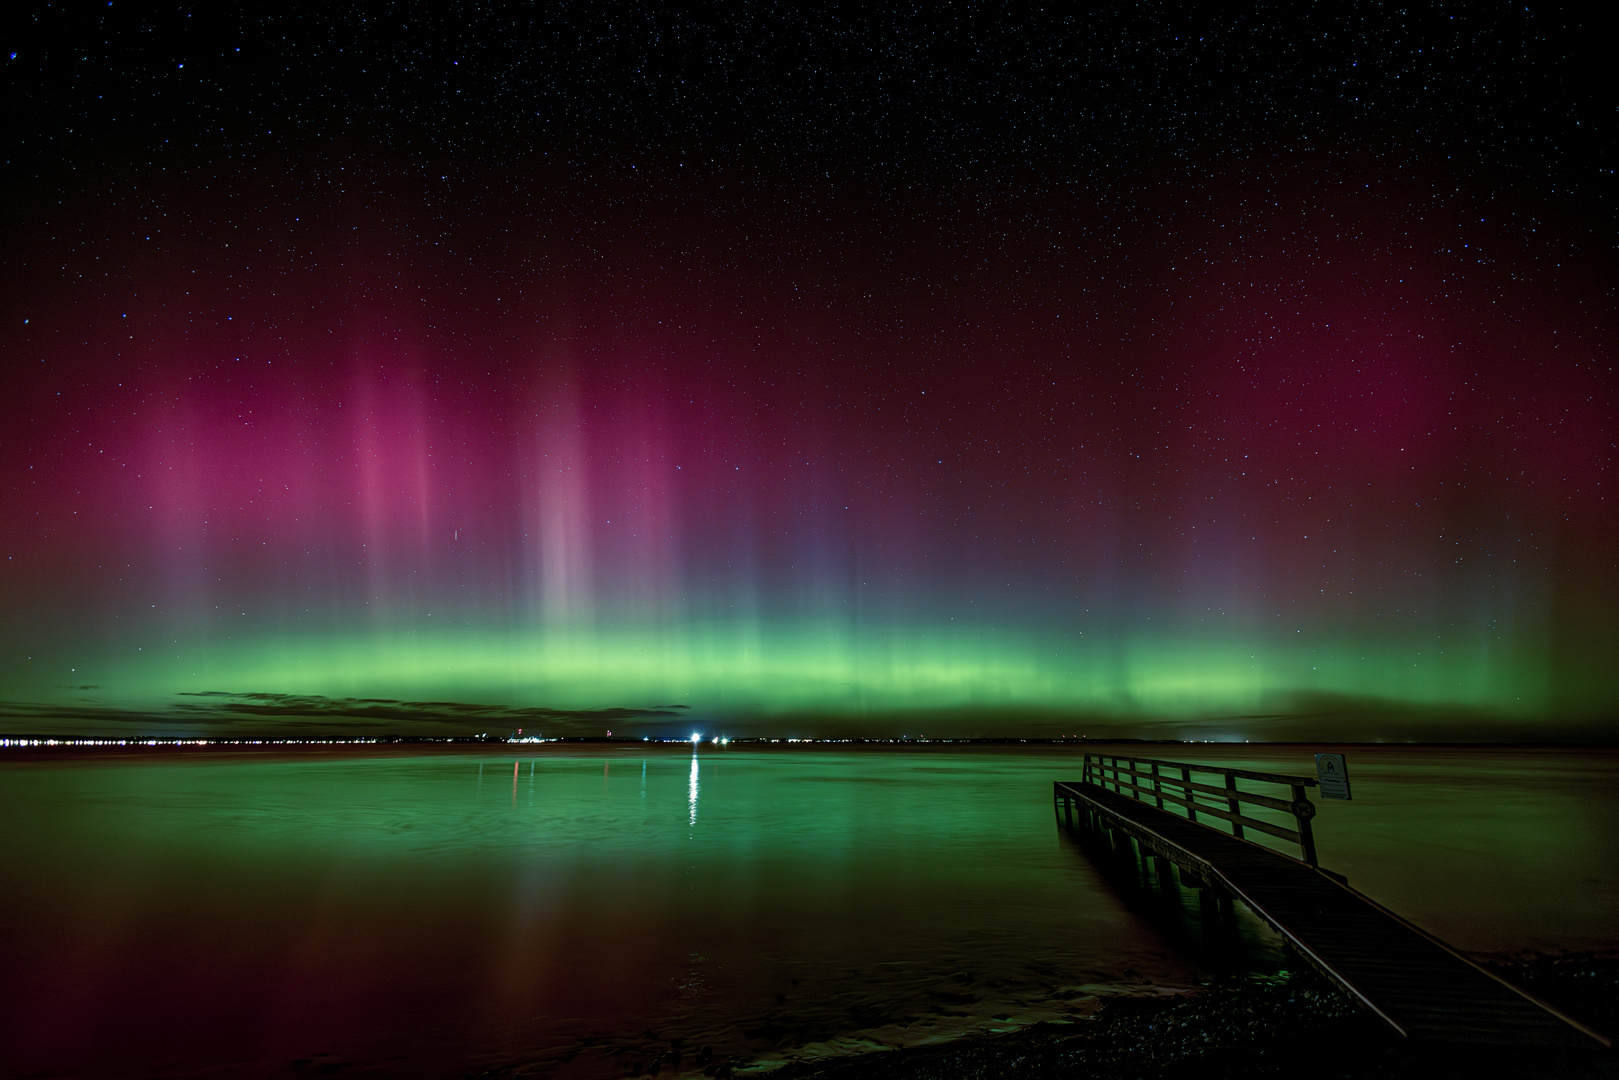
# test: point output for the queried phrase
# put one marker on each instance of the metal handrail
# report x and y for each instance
(1125, 775)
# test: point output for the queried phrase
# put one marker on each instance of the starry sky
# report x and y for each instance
(1205, 371)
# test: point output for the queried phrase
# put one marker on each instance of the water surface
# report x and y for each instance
(592, 912)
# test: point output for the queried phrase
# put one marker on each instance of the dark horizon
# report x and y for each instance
(225, 716)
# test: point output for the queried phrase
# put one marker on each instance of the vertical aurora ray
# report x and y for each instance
(1314, 484)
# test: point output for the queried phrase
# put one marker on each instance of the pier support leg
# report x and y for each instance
(1166, 876)
(1208, 910)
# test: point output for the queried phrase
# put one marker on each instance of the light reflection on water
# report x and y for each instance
(410, 913)
(692, 789)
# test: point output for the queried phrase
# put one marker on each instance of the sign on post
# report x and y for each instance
(1333, 774)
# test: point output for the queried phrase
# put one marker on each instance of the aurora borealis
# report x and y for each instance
(1247, 424)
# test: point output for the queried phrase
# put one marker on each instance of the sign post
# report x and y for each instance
(1333, 774)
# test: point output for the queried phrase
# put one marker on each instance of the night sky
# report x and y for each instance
(1160, 370)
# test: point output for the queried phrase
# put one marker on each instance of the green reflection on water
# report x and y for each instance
(456, 911)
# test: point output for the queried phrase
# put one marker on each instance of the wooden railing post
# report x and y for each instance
(1157, 786)
(1303, 811)
(1232, 803)
(1191, 798)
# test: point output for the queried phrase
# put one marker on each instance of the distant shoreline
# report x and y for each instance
(31, 741)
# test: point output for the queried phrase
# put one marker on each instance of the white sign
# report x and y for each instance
(1333, 774)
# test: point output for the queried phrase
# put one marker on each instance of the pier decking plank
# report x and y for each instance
(1416, 983)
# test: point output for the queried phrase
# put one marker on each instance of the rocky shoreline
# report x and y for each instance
(1292, 1025)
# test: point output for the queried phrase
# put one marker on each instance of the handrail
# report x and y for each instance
(1125, 776)
(1246, 774)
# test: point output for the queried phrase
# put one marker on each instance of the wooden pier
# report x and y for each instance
(1414, 982)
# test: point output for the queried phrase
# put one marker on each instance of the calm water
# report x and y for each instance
(585, 913)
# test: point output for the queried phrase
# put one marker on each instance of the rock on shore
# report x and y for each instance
(1294, 1026)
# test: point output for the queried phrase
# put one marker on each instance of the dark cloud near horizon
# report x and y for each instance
(224, 712)
(270, 704)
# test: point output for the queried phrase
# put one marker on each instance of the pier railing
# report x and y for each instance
(1194, 791)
